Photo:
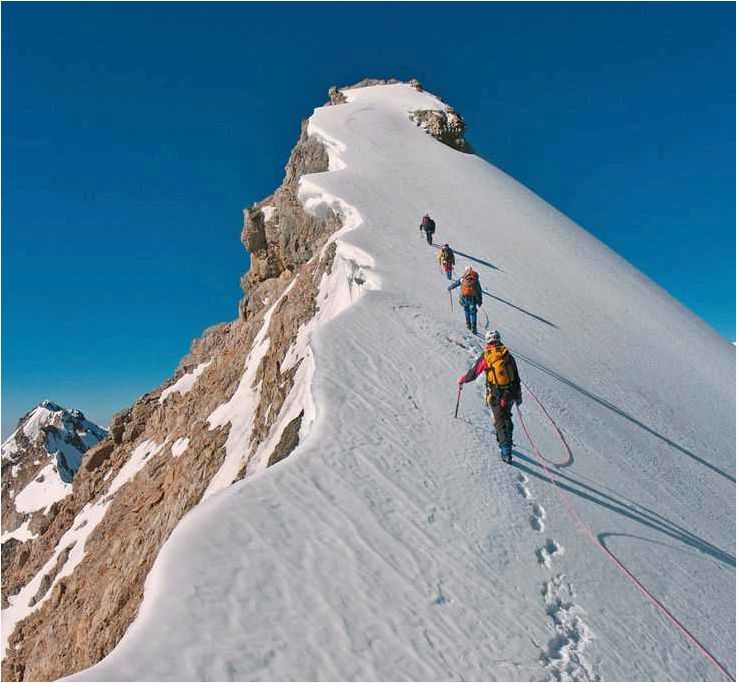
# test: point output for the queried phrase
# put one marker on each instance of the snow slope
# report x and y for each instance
(393, 544)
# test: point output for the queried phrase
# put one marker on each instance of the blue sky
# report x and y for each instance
(133, 134)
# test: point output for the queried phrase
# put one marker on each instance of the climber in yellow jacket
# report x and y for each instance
(503, 388)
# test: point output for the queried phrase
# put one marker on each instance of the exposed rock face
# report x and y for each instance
(131, 489)
(336, 97)
(447, 126)
(280, 235)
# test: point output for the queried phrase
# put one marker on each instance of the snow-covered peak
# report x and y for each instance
(401, 96)
(41, 457)
(55, 429)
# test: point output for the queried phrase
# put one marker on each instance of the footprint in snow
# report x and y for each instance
(545, 554)
(564, 656)
(521, 488)
(537, 517)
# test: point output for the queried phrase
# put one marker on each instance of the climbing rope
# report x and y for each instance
(569, 454)
(565, 499)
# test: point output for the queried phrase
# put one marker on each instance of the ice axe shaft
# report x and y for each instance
(458, 400)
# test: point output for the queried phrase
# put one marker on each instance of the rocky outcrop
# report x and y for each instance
(277, 231)
(447, 126)
(134, 483)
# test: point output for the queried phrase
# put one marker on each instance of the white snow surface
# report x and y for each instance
(43, 491)
(179, 446)
(185, 383)
(393, 544)
(22, 533)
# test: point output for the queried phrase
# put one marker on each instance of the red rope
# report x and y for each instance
(569, 454)
(590, 534)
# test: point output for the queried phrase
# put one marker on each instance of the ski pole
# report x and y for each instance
(458, 400)
(450, 294)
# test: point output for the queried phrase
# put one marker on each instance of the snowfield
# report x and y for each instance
(393, 543)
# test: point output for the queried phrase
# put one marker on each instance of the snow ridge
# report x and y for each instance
(394, 532)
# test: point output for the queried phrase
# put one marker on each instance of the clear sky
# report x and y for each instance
(133, 134)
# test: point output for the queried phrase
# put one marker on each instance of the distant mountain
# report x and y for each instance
(39, 461)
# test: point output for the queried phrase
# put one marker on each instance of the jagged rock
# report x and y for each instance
(288, 442)
(289, 239)
(48, 578)
(254, 231)
(446, 126)
(96, 455)
(308, 156)
(336, 97)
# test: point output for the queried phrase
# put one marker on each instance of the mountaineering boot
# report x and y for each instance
(506, 454)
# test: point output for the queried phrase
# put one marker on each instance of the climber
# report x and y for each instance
(502, 388)
(428, 225)
(470, 295)
(447, 260)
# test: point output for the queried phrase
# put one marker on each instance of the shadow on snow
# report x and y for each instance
(626, 416)
(645, 516)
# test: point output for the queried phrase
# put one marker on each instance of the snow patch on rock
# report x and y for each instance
(179, 446)
(45, 490)
(238, 412)
(185, 383)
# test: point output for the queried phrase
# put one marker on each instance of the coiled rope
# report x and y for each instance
(565, 499)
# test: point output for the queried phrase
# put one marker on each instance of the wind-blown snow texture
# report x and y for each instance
(393, 543)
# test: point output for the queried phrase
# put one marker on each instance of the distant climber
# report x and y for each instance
(428, 226)
(470, 295)
(502, 388)
(447, 260)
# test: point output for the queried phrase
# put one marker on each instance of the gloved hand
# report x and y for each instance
(461, 379)
(519, 401)
(450, 288)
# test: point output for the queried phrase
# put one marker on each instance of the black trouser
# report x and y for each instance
(428, 234)
(500, 403)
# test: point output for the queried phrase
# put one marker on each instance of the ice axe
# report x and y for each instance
(458, 400)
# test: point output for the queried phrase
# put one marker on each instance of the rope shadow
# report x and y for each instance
(644, 516)
(615, 409)
(488, 264)
(475, 259)
(519, 308)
